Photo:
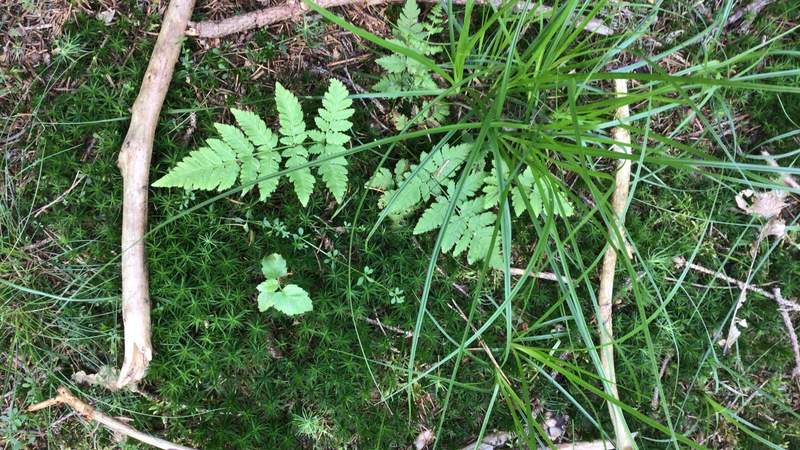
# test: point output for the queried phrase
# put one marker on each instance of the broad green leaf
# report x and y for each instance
(274, 266)
(292, 300)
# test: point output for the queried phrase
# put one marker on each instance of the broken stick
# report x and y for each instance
(86, 411)
(292, 9)
(134, 163)
(605, 293)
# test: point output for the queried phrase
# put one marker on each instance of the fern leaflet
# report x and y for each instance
(330, 139)
(293, 130)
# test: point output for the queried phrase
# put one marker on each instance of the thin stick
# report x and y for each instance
(383, 327)
(787, 179)
(664, 364)
(89, 413)
(787, 320)
(292, 9)
(134, 163)
(605, 294)
(515, 271)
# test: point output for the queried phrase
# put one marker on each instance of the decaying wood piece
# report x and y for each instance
(787, 321)
(134, 163)
(86, 411)
(296, 8)
(605, 292)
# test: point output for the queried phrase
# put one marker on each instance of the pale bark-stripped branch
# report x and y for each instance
(787, 179)
(134, 163)
(790, 304)
(86, 411)
(292, 9)
(605, 294)
(787, 320)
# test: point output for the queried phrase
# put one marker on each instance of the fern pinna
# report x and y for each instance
(470, 229)
(250, 151)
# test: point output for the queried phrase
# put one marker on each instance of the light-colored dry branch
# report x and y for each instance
(787, 179)
(134, 163)
(790, 304)
(517, 272)
(787, 320)
(296, 8)
(661, 372)
(605, 293)
(752, 8)
(392, 328)
(86, 411)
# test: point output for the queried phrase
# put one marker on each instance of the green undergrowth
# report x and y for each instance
(225, 375)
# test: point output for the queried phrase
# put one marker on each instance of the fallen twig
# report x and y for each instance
(541, 275)
(680, 262)
(75, 182)
(384, 327)
(86, 411)
(787, 320)
(292, 9)
(752, 8)
(787, 179)
(661, 372)
(134, 163)
(605, 293)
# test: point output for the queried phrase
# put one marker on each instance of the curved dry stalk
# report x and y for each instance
(134, 163)
(292, 9)
(86, 411)
(605, 292)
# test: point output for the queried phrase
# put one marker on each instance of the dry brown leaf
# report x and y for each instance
(767, 204)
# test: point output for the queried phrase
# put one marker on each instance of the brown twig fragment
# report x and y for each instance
(790, 304)
(605, 293)
(787, 320)
(89, 413)
(787, 179)
(392, 328)
(296, 8)
(134, 163)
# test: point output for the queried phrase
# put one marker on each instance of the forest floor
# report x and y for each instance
(225, 375)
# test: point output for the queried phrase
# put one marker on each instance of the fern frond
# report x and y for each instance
(265, 141)
(290, 116)
(206, 168)
(332, 121)
(293, 132)
(244, 152)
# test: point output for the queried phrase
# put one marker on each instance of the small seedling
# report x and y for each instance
(290, 299)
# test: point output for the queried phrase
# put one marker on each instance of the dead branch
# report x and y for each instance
(790, 304)
(296, 8)
(515, 271)
(134, 163)
(392, 328)
(89, 413)
(787, 179)
(605, 294)
(661, 372)
(787, 320)
(752, 8)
